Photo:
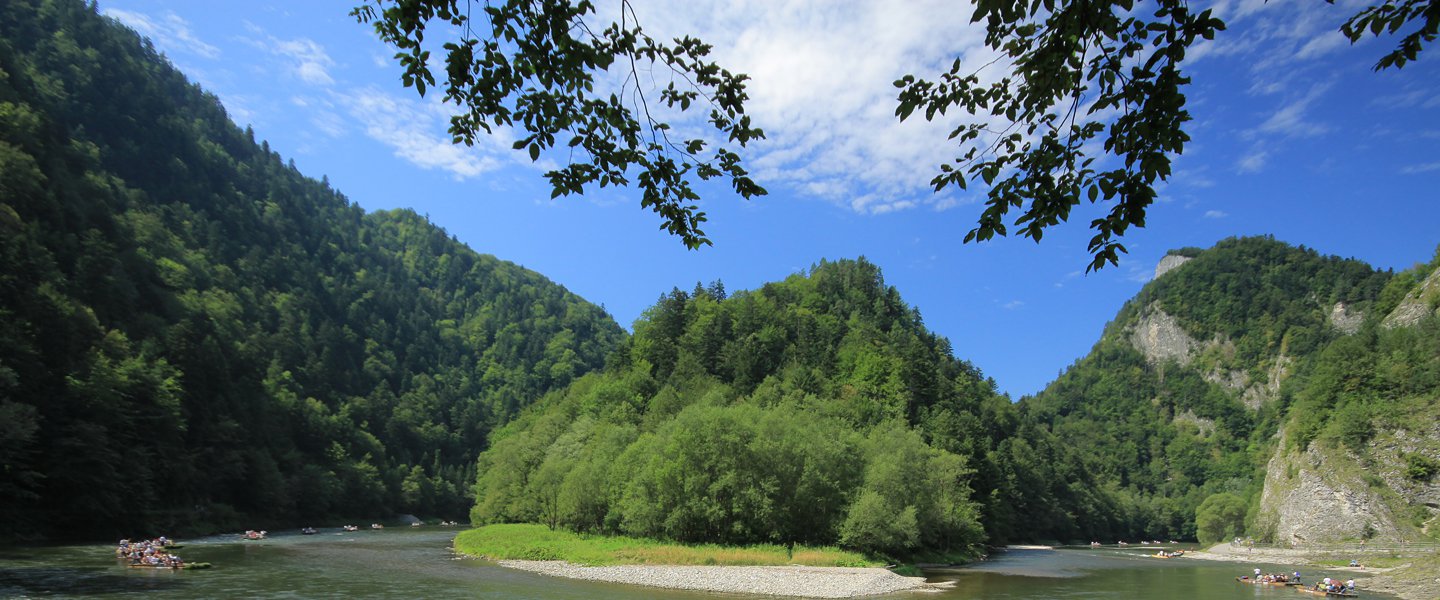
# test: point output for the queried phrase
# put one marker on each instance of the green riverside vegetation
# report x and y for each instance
(815, 411)
(538, 542)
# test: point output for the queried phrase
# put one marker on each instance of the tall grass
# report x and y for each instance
(537, 542)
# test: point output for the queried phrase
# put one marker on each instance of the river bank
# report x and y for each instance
(1418, 579)
(791, 581)
(764, 569)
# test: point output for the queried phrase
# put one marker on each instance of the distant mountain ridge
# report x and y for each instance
(195, 336)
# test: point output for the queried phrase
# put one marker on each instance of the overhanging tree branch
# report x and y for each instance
(536, 70)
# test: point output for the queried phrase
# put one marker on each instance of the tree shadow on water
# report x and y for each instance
(74, 581)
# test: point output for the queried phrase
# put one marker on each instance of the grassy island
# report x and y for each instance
(538, 542)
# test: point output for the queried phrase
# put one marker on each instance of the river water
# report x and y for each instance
(417, 563)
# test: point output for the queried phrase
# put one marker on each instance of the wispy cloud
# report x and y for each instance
(311, 60)
(1421, 168)
(1322, 44)
(305, 58)
(407, 126)
(1290, 119)
(168, 31)
(1068, 276)
(1138, 274)
(1253, 161)
(1216, 214)
(1013, 304)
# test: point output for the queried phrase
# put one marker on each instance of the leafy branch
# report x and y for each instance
(1062, 55)
(535, 70)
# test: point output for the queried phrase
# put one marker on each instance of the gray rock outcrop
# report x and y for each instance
(1265, 391)
(1345, 320)
(1418, 304)
(1306, 501)
(1160, 338)
(1169, 263)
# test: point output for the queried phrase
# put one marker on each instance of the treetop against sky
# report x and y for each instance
(1293, 135)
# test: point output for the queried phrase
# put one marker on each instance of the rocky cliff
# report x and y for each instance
(1418, 304)
(1387, 488)
(1316, 497)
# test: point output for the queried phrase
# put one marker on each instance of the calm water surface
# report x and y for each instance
(417, 563)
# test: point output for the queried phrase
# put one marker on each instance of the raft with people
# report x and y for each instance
(152, 554)
(173, 567)
(1164, 554)
(1332, 587)
(1336, 594)
(1266, 580)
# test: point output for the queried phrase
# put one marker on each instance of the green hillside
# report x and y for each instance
(195, 336)
(1185, 394)
(817, 410)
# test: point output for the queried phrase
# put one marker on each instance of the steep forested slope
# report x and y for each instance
(192, 334)
(1182, 396)
(1364, 425)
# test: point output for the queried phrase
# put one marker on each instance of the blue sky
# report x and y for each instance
(1293, 136)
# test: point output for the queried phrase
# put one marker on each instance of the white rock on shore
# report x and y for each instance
(795, 581)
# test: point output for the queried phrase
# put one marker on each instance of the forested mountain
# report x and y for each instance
(1186, 396)
(195, 336)
(814, 410)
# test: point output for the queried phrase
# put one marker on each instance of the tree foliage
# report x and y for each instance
(810, 411)
(1074, 64)
(1219, 518)
(194, 336)
(534, 65)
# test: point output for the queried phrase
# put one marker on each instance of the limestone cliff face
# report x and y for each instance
(1314, 497)
(1323, 496)
(1160, 338)
(1169, 263)
(1420, 303)
(1344, 319)
(1330, 494)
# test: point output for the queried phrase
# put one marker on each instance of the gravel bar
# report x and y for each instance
(794, 581)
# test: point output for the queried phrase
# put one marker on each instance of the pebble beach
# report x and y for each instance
(793, 581)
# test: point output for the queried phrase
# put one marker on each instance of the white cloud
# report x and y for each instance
(1216, 214)
(1322, 44)
(328, 123)
(1290, 119)
(169, 32)
(408, 127)
(1253, 162)
(1139, 274)
(821, 88)
(1421, 168)
(1013, 304)
(308, 59)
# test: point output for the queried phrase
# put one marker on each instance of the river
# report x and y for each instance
(417, 563)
